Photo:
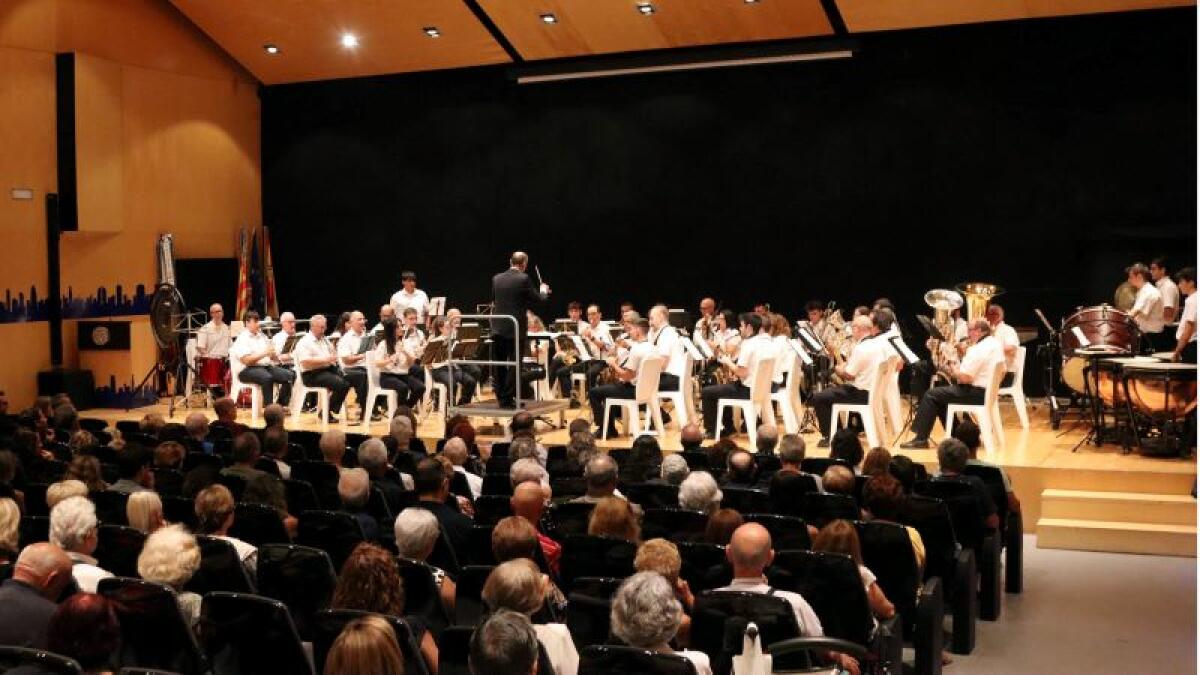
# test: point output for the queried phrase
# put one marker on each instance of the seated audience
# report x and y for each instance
(226, 411)
(673, 471)
(169, 455)
(645, 451)
(718, 453)
(646, 615)
(528, 469)
(10, 527)
(366, 646)
(274, 416)
(968, 432)
(197, 430)
(838, 480)
(455, 450)
(877, 461)
(721, 526)
(600, 476)
(525, 447)
(883, 499)
(417, 531)
(354, 489)
(529, 501)
(80, 440)
(846, 445)
(662, 556)
(64, 489)
(952, 459)
(691, 437)
(518, 586)
(504, 644)
(699, 492)
(904, 470)
(580, 450)
(144, 511)
(741, 471)
(370, 581)
(214, 508)
(28, 599)
(372, 458)
(151, 424)
(133, 470)
(401, 430)
(614, 517)
(766, 439)
(333, 446)
(171, 556)
(85, 628)
(840, 536)
(791, 456)
(432, 490)
(74, 529)
(261, 487)
(275, 448)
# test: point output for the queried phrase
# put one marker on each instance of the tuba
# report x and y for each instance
(944, 302)
(978, 294)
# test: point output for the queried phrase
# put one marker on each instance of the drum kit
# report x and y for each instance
(1147, 402)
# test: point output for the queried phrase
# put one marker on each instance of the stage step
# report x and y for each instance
(1117, 536)
(1163, 509)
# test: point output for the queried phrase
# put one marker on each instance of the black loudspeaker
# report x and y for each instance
(80, 385)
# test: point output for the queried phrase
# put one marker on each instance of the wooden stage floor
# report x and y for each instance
(1036, 459)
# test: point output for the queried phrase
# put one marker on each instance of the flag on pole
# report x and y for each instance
(270, 303)
(243, 289)
(256, 279)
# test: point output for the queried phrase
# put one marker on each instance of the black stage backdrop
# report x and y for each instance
(1043, 156)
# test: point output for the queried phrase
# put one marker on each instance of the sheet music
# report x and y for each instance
(800, 351)
(704, 349)
(692, 351)
(584, 354)
(1083, 340)
(810, 339)
(902, 349)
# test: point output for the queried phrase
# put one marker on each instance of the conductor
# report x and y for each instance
(513, 293)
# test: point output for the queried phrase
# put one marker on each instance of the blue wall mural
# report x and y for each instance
(101, 303)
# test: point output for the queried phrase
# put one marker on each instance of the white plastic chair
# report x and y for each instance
(871, 412)
(891, 399)
(681, 396)
(300, 392)
(189, 352)
(645, 393)
(374, 391)
(256, 393)
(427, 403)
(991, 429)
(1017, 389)
(788, 396)
(757, 405)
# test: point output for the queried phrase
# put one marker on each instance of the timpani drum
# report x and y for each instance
(1110, 375)
(1162, 389)
(1106, 328)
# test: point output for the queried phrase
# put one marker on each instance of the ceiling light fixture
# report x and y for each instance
(349, 40)
(750, 2)
(645, 8)
(432, 31)
(271, 48)
(549, 18)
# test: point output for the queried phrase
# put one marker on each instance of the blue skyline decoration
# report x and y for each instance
(100, 304)
(125, 396)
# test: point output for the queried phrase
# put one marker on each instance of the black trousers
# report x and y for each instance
(668, 382)
(591, 369)
(1162, 341)
(409, 389)
(504, 348)
(708, 402)
(922, 377)
(933, 405)
(463, 383)
(598, 395)
(357, 377)
(267, 377)
(328, 378)
(824, 400)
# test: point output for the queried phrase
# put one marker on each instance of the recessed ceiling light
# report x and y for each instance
(645, 8)
(750, 2)
(549, 18)
(432, 31)
(271, 48)
(349, 40)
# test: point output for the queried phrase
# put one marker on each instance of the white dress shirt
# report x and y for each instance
(638, 351)
(309, 347)
(980, 360)
(1170, 296)
(349, 345)
(1006, 335)
(806, 618)
(248, 343)
(752, 351)
(414, 343)
(666, 341)
(960, 329)
(1149, 306)
(864, 361)
(87, 572)
(783, 358)
(213, 340)
(602, 335)
(417, 300)
(1188, 316)
(396, 365)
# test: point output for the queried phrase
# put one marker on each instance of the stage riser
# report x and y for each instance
(1120, 507)
(1117, 537)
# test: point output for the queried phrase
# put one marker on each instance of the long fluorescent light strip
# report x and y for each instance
(698, 65)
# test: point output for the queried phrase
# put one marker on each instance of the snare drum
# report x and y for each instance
(1109, 330)
(211, 370)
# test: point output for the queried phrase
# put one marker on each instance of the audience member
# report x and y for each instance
(275, 448)
(718, 453)
(518, 586)
(333, 446)
(523, 424)
(74, 529)
(455, 450)
(261, 487)
(417, 531)
(883, 499)
(529, 502)
(370, 582)
(85, 628)
(580, 450)
(952, 459)
(169, 455)
(432, 490)
(133, 470)
(274, 416)
(600, 476)
(838, 480)
(847, 446)
(691, 437)
(65, 417)
(81, 440)
(214, 508)
(968, 432)
(27, 599)
(366, 646)
(372, 458)
(354, 489)
(673, 471)
(171, 556)
(645, 451)
(614, 517)
(791, 455)
(504, 644)
(877, 462)
(10, 527)
(144, 511)
(401, 429)
(699, 492)
(662, 556)
(528, 469)
(151, 424)
(721, 526)
(741, 471)
(226, 410)
(840, 536)
(646, 615)
(903, 469)
(766, 439)
(525, 447)
(63, 489)
(197, 430)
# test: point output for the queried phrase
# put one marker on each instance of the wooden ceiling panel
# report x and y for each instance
(586, 27)
(308, 34)
(875, 15)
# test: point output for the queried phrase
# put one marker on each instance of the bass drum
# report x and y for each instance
(1107, 329)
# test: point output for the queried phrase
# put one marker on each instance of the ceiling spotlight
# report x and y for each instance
(549, 18)
(432, 31)
(349, 40)
(750, 2)
(271, 48)
(645, 8)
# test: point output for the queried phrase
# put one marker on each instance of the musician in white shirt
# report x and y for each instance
(287, 328)
(317, 361)
(970, 379)
(410, 296)
(385, 312)
(626, 368)
(858, 374)
(666, 340)
(1147, 309)
(1006, 335)
(1185, 333)
(1167, 288)
(351, 351)
(704, 325)
(256, 353)
(395, 362)
(212, 340)
(756, 344)
(599, 343)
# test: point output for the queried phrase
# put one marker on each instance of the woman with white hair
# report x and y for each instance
(674, 469)
(171, 556)
(699, 492)
(518, 585)
(64, 489)
(74, 529)
(646, 614)
(417, 532)
(144, 510)
(10, 523)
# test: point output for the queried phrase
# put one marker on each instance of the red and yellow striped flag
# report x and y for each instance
(271, 303)
(243, 288)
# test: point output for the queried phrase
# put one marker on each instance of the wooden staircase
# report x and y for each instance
(1118, 522)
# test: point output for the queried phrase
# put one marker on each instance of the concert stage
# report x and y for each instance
(1091, 499)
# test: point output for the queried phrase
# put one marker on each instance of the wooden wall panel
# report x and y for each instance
(99, 146)
(875, 15)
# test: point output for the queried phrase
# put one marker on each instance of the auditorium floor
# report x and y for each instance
(1092, 613)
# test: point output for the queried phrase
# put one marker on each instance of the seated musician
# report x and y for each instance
(350, 350)
(723, 340)
(626, 370)
(454, 320)
(599, 343)
(1006, 335)
(968, 382)
(318, 363)
(708, 314)
(756, 343)
(213, 342)
(858, 372)
(287, 328)
(666, 339)
(385, 312)
(394, 357)
(781, 333)
(256, 352)
(464, 383)
(1185, 333)
(575, 315)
